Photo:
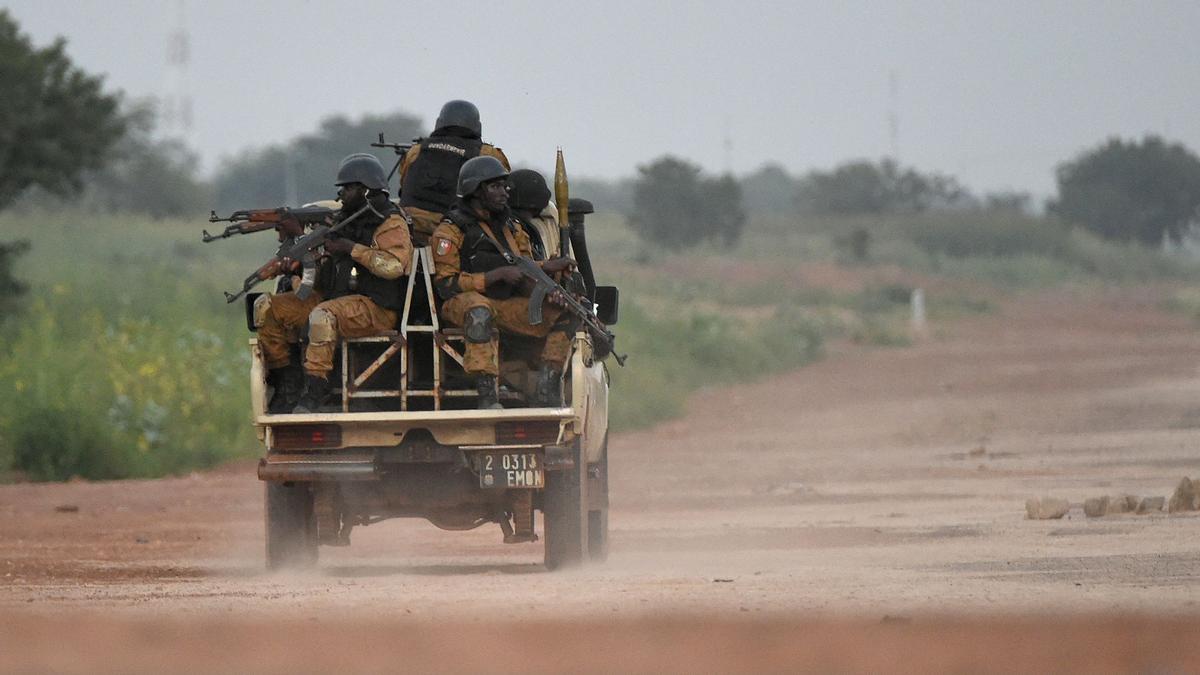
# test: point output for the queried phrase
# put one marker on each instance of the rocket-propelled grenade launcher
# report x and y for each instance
(562, 195)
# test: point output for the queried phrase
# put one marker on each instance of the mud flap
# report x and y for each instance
(291, 526)
(564, 510)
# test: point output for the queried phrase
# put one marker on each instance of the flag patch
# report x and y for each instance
(443, 246)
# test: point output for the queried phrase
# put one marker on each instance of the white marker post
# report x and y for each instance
(917, 303)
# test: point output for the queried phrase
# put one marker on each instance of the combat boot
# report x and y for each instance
(547, 393)
(288, 382)
(489, 397)
(316, 390)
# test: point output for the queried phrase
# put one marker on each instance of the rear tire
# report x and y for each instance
(564, 511)
(291, 526)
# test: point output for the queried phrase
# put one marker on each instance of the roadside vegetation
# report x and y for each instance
(124, 360)
(119, 357)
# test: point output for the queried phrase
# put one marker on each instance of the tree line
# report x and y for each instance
(1143, 191)
(64, 139)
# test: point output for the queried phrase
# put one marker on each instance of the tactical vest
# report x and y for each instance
(431, 183)
(347, 277)
(535, 238)
(478, 253)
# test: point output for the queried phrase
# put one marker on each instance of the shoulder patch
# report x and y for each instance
(443, 246)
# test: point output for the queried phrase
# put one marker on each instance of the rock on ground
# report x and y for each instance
(1095, 507)
(1185, 497)
(1151, 504)
(1046, 508)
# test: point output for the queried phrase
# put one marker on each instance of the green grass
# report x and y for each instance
(1007, 250)
(1185, 302)
(127, 362)
(671, 355)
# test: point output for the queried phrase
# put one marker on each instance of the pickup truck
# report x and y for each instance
(403, 439)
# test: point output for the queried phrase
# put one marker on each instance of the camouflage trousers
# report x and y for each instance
(510, 315)
(347, 316)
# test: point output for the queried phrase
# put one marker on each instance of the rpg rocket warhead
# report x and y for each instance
(562, 195)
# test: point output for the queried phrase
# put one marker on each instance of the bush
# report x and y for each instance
(677, 207)
(303, 169)
(672, 355)
(1144, 192)
(57, 120)
(980, 234)
(1016, 250)
(127, 361)
(877, 187)
(90, 394)
(12, 290)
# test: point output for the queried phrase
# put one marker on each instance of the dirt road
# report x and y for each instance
(864, 513)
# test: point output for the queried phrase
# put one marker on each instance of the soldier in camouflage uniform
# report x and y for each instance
(529, 199)
(429, 171)
(359, 292)
(482, 292)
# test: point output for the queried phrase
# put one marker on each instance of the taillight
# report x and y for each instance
(298, 436)
(530, 432)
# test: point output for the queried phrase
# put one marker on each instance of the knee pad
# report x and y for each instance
(262, 305)
(478, 325)
(322, 327)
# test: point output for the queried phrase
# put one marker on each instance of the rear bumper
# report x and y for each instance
(460, 429)
(358, 465)
(280, 471)
(420, 418)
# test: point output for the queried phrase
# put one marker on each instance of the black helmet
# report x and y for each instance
(477, 171)
(362, 167)
(529, 190)
(458, 113)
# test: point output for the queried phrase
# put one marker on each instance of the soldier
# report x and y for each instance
(359, 293)
(481, 290)
(529, 199)
(429, 171)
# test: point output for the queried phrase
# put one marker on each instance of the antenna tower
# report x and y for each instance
(177, 102)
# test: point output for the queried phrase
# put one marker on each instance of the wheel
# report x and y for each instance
(564, 510)
(291, 526)
(598, 508)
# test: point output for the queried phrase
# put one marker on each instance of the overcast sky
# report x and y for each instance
(996, 93)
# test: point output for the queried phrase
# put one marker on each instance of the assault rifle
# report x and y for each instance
(543, 285)
(257, 220)
(300, 249)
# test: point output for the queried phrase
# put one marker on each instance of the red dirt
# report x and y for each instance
(864, 514)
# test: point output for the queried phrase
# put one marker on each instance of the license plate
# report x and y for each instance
(511, 470)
